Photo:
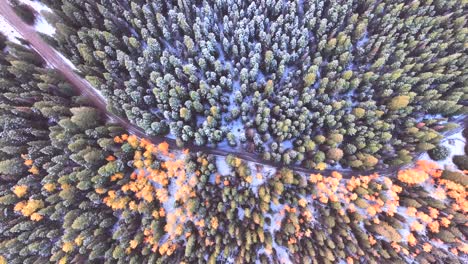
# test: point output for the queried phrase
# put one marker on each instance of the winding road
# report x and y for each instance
(82, 86)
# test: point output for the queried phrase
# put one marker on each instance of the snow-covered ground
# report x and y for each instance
(43, 26)
(456, 144)
(9, 31)
(222, 166)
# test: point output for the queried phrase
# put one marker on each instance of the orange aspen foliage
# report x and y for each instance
(214, 223)
(411, 240)
(424, 217)
(454, 251)
(133, 141)
(79, 240)
(20, 190)
(314, 178)
(434, 213)
(412, 176)
(36, 217)
(463, 247)
(323, 199)
(133, 244)
(27, 208)
(68, 246)
(321, 166)
(248, 179)
(371, 211)
(50, 187)
(434, 227)
(28, 162)
(302, 202)
(110, 158)
(411, 211)
(416, 226)
(164, 148)
(427, 247)
(117, 139)
(34, 170)
(440, 194)
(445, 222)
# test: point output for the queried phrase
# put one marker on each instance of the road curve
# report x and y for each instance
(83, 87)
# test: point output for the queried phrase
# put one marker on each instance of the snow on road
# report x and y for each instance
(9, 31)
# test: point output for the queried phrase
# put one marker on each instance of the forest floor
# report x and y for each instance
(55, 60)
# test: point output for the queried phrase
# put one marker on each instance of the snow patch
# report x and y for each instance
(222, 166)
(9, 31)
(36, 5)
(456, 144)
(43, 26)
(281, 253)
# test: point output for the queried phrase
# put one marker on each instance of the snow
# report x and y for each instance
(169, 205)
(281, 253)
(38, 6)
(275, 224)
(41, 23)
(276, 217)
(43, 26)
(240, 213)
(456, 144)
(237, 128)
(287, 144)
(363, 41)
(9, 31)
(222, 166)
(265, 173)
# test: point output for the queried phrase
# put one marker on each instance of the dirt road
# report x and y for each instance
(55, 60)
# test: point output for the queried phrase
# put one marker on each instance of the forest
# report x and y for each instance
(359, 84)
(361, 88)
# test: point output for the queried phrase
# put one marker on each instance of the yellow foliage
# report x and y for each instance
(411, 211)
(63, 260)
(416, 226)
(248, 179)
(214, 222)
(50, 187)
(427, 247)
(133, 244)
(36, 217)
(20, 190)
(27, 208)
(79, 240)
(100, 190)
(34, 170)
(164, 148)
(302, 202)
(412, 176)
(133, 141)
(411, 240)
(68, 246)
(321, 166)
(434, 227)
